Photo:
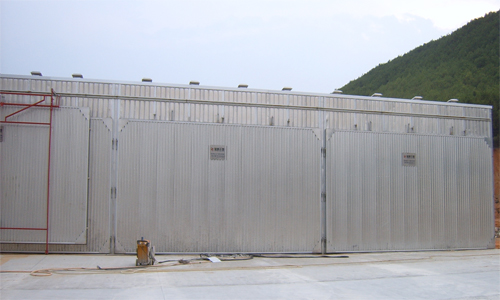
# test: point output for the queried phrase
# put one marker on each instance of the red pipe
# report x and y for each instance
(29, 123)
(27, 107)
(48, 175)
(24, 104)
(16, 228)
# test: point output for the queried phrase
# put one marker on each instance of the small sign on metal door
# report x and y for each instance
(218, 152)
(409, 159)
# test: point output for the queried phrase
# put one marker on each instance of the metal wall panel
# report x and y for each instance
(99, 187)
(69, 175)
(23, 193)
(99, 108)
(15, 84)
(98, 217)
(171, 92)
(24, 166)
(260, 199)
(384, 114)
(138, 90)
(240, 97)
(403, 124)
(376, 203)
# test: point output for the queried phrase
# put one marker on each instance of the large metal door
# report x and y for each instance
(218, 188)
(408, 192)
(24, 178)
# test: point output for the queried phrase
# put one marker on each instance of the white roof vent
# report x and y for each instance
(36, 73)
(76, 75)
(417, 98)
(377, 95)
(452, 100)
(336, 92)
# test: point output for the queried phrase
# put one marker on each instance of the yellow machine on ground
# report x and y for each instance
(145, 253)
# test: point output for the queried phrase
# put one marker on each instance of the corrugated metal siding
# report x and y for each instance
(255, 200)
(71, 86)
(24, 177)
(203, 113)
(69, 173)
(98, 218)
(23, 169)
(406, 124)
(99, 108)
(266, 196)
(376, 203)
(99, 187)
(378, 120)
(15, 84)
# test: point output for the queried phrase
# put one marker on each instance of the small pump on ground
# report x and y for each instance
(145, 253)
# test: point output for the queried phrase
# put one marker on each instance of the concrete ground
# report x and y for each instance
(473, 274)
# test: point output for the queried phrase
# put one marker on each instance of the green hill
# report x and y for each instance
(462, 65)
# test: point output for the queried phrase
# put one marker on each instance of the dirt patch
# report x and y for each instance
(6, 258)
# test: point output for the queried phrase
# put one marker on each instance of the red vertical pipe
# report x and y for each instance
(48, 175)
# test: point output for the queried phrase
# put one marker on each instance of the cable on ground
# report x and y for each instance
(150, 268)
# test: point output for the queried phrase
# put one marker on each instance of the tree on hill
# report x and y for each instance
(463, 65)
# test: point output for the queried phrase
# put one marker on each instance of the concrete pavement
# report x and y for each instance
(473, 274)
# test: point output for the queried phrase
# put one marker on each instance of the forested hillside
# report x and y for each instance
(462, 65)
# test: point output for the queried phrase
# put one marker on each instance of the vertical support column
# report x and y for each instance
(114, 172)
(322, 125)
(323, 193)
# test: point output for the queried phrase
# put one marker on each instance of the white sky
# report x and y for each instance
(310, 45)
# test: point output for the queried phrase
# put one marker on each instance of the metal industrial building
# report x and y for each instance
(91, 166)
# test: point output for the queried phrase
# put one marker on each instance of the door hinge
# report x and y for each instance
(323, 197)
(114, 144)
(323, 151)
(113, 193)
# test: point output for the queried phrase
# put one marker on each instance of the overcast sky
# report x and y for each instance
(309, 45)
